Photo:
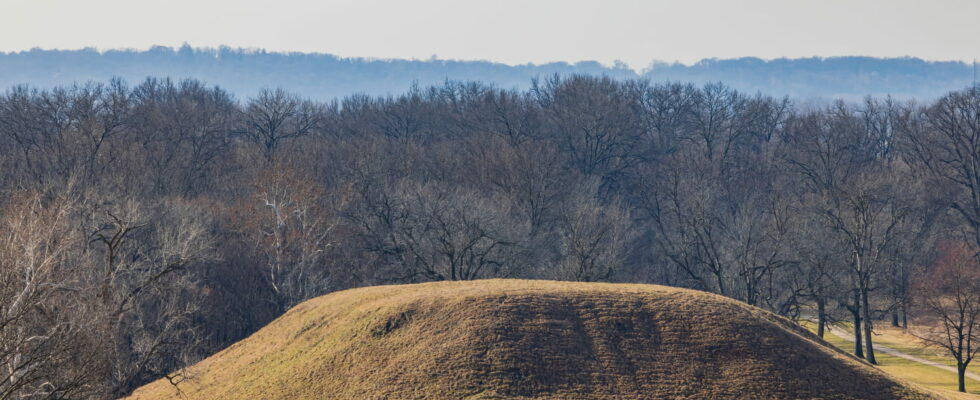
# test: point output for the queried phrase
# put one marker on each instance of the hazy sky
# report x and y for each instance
(509, 31)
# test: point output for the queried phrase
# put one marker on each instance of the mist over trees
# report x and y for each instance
(325, 77)
(146, 225)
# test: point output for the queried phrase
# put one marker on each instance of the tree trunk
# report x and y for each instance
(905, 315)
(895, 319)
(821, 317)
(721, 284)
(856, 312)
(870, 354)
(961, 375)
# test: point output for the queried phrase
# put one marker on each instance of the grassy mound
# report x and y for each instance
(498, 339)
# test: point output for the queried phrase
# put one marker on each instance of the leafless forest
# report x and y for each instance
(143, 227)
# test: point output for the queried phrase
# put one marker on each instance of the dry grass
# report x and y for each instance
(513, 339)
(906, 342)
(925, 375)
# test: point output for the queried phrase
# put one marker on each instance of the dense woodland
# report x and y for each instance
(144, 227)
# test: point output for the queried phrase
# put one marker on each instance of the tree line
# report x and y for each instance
(144, 227)
(326, 76)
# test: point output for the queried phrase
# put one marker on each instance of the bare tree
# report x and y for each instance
(275, 116)
(39, 334)
(592, 120)
(949, 297)
(147, 255)
(440, 233)
(291, 223)
(869, 216)
(852, 191)
(529, 174)
(945, 139)
(593, 238)
(184, 129)
(664, 114)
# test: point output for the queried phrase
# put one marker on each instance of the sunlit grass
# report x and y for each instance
(909, 370)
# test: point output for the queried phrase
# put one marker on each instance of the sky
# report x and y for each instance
(509, 31)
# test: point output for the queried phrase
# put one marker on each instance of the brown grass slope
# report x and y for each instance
(514, 339)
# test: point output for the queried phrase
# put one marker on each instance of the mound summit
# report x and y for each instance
(515, 339)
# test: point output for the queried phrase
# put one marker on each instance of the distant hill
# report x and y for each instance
(325, 76)
(513, 339)
(836, 77)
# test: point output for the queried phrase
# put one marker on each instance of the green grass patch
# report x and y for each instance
(909, 370)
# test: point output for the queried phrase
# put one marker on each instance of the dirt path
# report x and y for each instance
(888, 350)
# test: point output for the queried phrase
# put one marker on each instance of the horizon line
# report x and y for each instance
(616, 64)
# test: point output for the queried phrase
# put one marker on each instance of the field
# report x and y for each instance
(922, 374)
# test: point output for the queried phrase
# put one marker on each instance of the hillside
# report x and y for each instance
(497, 339)
(326, 76)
